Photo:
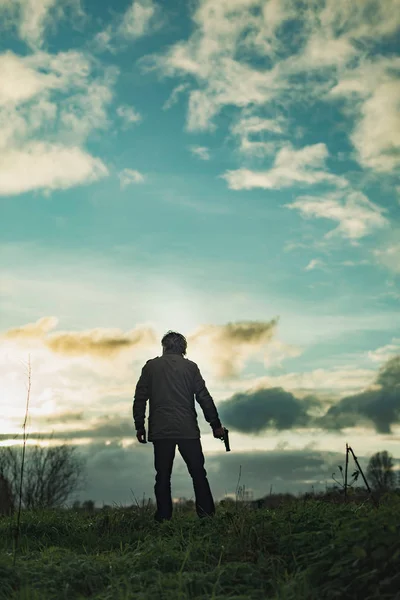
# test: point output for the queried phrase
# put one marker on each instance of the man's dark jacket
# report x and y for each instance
(170, 382)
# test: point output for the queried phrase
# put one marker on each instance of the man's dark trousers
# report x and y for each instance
(192, 454)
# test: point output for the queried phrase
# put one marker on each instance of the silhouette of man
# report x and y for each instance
(170, 383)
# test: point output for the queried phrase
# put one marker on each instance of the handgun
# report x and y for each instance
(225, 439)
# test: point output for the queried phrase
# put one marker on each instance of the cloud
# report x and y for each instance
(35, 330)
(248, 127)
(24, 78)
(379, 407)
(239, 55)
(356, 214)
(208, 56)
(313, 264)
(379, 404)
(110, 467)
(129, 176)
(138, 18)
(255, 411)
(286, 470)
(47, 167)
(99, 343)
(372, 93)
(49, 105)
(291, 167)
(351, 263)
(389, 374)
(229, 346)
(376, 135)
(128, 114)
(265, 409)
(141, 18)
(174, 96)
(389, 256)
(67, 417)
(385, 352)
(200, 151)
(105, 427)
(32, 17)
(328, 384)
(276, 352)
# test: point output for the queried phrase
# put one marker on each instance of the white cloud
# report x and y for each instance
(82, 112)
(352, 263)
(356, 214)
(129, 176)
(384, 353)
(141, 18)
(102, 40)
(277, 351)
(373, 95)
(331, 42)
(33, 17)
(129, 114)
(174, 96)
(249, 127)
(137, 19)
(291, 167)
(313, 264)
(377, 133)
(44, 166)
(389, 256)
(45, 123)
(336, 382)
(201, 151)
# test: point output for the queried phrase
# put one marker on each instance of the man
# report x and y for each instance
(170, 382)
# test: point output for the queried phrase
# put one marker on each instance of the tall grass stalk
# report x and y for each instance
(22, 462)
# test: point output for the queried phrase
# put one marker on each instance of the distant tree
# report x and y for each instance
(51, 474)
(380, 472)
(7, 500)
(88, 505)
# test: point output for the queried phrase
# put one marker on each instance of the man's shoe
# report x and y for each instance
(160, 519)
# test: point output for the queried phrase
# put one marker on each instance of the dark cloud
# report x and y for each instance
(389, 374)
(271, 408)
(265, 408)
(275, 408)
(106, 428)
(66, 417)
(380, 405)
(103, 343)
(99, 343)
(115, 473)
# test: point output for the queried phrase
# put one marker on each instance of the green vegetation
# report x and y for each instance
(304, 549)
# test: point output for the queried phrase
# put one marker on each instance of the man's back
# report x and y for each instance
(171, 382)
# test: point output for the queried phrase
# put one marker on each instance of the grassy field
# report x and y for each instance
(307, 549)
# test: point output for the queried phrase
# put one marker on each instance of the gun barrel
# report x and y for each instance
(226, 440)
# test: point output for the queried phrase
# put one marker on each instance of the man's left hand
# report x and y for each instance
(141, 436)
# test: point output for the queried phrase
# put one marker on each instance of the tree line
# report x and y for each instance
(54, 473)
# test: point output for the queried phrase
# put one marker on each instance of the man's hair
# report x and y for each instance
(175, 342)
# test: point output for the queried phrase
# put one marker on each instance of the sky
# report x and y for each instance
(228, 170)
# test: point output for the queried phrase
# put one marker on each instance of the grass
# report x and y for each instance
(305, 549)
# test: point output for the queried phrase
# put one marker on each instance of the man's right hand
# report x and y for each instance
(219, 432)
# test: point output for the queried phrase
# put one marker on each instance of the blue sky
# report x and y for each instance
(228, 170)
